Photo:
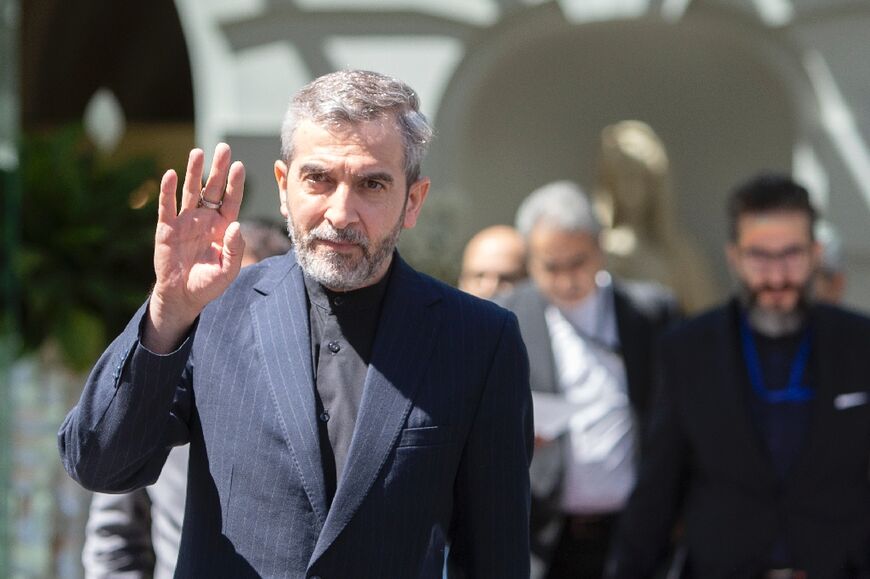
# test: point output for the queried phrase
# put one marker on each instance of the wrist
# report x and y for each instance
(166, 325)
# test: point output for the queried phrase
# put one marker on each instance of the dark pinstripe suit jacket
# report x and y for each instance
(440, 454)
(705, 459)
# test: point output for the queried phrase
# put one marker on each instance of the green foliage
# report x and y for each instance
(83, 263)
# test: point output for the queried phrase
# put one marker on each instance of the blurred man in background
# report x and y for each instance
(590, 343)
(493, 262)
(760, 436)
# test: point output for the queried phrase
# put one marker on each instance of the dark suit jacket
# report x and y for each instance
(440, 453)
(642, 312)
(704, 458)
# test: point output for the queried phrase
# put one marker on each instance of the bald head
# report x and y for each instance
(493, 261)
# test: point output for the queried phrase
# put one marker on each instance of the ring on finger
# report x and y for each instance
(203, 202)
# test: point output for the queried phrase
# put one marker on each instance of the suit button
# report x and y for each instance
(324, 416)
(334, 347)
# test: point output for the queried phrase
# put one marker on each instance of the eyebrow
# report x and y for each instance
(788, 248)
(311, 168)
(377, 176)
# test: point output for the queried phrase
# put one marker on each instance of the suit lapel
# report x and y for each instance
(281, 322)
(827, 360)
(403, 345)
(530, 311)
(635, 344)
(729, 400)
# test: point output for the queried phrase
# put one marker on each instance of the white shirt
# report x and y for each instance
(600, 471)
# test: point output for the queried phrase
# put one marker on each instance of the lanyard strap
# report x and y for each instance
(794, 391)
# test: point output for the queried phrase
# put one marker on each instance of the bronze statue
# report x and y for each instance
(641, 237)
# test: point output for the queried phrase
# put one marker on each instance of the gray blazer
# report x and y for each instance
(439, 457)
(136, 535)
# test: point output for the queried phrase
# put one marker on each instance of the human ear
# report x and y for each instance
(281, 171)
(416, 196)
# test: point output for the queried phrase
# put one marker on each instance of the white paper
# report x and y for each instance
(552, 413)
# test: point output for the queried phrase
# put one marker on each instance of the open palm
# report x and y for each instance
(197, 250)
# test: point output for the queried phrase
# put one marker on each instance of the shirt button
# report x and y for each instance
(334, 347)
(324, 416)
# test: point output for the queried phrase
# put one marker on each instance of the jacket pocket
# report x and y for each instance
(423, 436)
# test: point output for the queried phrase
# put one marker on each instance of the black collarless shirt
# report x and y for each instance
(783, 426)
(343, 327)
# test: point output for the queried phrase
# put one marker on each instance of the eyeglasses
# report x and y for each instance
(793, 258)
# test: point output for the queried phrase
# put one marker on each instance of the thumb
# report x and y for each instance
(233, 250)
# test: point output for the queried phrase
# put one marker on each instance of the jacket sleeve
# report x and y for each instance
(134, 407)
(491, 496)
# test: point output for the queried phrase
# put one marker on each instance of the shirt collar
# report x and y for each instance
(594, 315)
(585, 314)
(358, 299)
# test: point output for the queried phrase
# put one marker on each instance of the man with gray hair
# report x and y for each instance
(590, 343)
(347, 416)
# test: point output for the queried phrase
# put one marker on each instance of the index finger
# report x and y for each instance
(167, 208)
(235, 191)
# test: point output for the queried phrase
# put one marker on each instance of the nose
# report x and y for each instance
(776, 274)
(565, 280)
(503, 285)
(340, 211)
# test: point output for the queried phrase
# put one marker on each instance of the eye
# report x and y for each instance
(373, 185)
(794, 252)
(315, 177)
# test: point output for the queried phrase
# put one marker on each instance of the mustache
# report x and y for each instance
(750, 295)
(775, 288)
(325, 232)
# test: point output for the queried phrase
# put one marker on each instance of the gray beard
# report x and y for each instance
(773, 323)
(334, 270)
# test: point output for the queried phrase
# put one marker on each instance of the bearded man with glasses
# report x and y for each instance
(760, 434)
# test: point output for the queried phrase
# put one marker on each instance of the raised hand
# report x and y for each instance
(198, 250)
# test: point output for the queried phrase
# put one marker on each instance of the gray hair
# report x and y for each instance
(355, 96)
(562, 205)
